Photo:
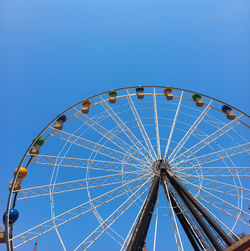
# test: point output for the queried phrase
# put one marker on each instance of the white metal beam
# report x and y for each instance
(208, 140)
(71, 214)
(173, 126)
(190, 131)
(93, 146)
(211, 157)
(87, 242)
(124, 146)
(157, 128)
(141, 127)
(133, 139)
(75, 185)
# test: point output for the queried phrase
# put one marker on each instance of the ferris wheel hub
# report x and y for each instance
(160, 165)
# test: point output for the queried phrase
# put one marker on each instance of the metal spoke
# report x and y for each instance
(141, 127)
(87, 163)
(190, 131)
(173, 125)
(134, 140)
(208, 140)
(224, 175)
(157, 127)
(214, 156)
(216, 174)
(224, 211)
(93, 146)
(231, 168)
(113, 217)
(74, 185)
(212, 189)
(218, 198)
(73, 213)
(213, 181)
(108, 135)
(156, 220)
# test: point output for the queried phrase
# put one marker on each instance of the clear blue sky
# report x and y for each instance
(56, 53)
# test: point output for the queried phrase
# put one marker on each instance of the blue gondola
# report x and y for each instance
(228, 111)
(61, 119)
(13, 216)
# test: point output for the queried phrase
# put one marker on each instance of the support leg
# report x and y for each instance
(176, 183)
(193, 210)
(140, 232)
(186, 226)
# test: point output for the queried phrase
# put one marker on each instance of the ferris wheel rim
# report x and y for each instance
(101, 94)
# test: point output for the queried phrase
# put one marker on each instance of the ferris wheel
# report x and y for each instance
(160, 165)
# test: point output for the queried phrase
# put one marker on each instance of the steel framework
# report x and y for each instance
(196, 157)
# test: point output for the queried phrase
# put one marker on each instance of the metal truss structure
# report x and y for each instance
(137, 163)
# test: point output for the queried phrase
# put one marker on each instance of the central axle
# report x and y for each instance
(160, 166)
